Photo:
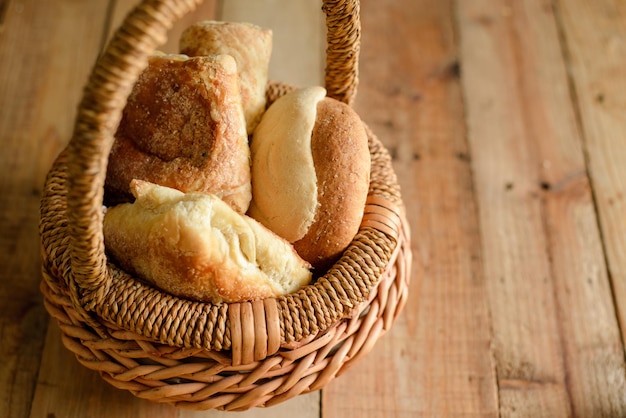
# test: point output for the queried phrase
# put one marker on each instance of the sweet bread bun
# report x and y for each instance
(183, 127)
(310, 173)
(195, 246)
(250, 45)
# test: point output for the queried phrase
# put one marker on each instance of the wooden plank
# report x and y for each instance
(557, 348)
(44, 49)
(594, 35)
(526, 333)
(435, 361)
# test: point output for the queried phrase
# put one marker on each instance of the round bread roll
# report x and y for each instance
(193, 245)
(310, 173)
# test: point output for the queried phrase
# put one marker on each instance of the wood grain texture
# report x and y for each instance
(40, 59)
(436, 359)
(595, 40)
(558, 349)
(505, 121)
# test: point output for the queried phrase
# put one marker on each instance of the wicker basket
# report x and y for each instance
(200, 355)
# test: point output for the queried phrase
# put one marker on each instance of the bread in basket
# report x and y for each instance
(229, 356)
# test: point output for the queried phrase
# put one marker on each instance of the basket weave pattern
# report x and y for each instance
(201, 355)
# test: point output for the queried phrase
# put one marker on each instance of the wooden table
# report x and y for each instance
(507, 124)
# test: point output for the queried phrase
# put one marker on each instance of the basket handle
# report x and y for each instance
(343, 46)
(105, 96)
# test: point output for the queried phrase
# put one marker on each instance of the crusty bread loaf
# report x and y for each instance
(249, 44)
(195, 246)
(183, 127)
(310, 173)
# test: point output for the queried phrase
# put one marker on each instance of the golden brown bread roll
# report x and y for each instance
(195, 246)
(183, 127)
(249, 44)
(310, 173)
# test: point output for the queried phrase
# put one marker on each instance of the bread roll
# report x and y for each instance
(310, 173)
(195, 246)
(250, 45)
(183, 127)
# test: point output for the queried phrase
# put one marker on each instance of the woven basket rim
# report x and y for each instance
(290, 318)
